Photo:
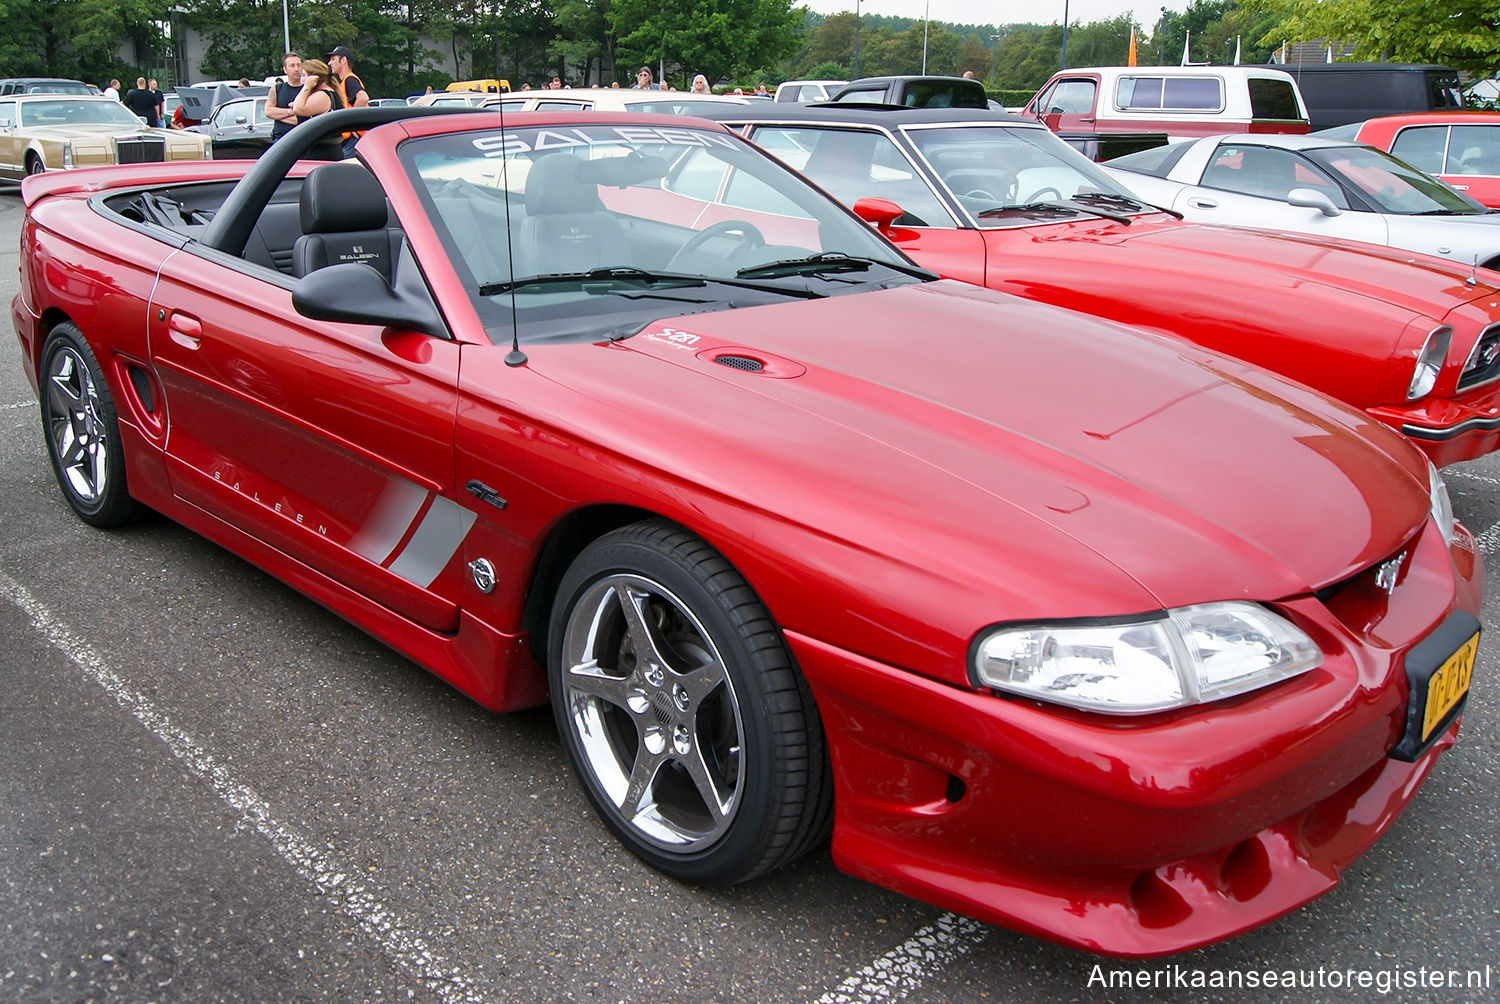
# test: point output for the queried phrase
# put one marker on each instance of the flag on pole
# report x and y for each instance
(1236, 50)
(1185, 42)
(1131, 60)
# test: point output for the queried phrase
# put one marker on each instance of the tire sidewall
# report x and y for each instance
(750, 828)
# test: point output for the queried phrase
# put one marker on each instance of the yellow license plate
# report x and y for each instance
(1449, 684)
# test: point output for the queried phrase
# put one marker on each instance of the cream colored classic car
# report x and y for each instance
(49, 132)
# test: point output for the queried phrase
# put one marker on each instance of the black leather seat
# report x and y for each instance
(567, 227)
(344, 215)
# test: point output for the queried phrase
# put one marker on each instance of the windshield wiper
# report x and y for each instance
(611, 274)
(826, 262)
(1075, 206)
(1110, 199)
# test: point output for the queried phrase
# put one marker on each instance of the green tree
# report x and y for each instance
(1464, 34)
(717, 39)
(80, 38)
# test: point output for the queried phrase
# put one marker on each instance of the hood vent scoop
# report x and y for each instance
(738, 362)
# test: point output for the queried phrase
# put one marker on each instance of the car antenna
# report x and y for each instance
(1473, 279)
(515, 357)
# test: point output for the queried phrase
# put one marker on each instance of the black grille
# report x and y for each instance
(1484, 361)
(741, 363)
(139, 151)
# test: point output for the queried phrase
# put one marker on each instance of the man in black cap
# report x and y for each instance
(355, 95)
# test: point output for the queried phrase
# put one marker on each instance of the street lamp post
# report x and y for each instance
(1064, 65)
(855, 73)
(994, 47)
(286, 28)
(925, 21)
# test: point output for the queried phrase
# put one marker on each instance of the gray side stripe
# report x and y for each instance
(432, 546)
(393, 512)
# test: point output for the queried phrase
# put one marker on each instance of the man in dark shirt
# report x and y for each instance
(279, 101)
(159, 106)
(141, 100)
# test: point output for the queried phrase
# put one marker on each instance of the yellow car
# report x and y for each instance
(50, 132)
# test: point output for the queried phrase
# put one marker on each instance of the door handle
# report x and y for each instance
(185, 330)
(1203, 203)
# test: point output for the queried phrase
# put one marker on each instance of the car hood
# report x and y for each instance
(963, 431)
(1272, 259)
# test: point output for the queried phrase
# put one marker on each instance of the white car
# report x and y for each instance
(612, 99)
(1314, 185)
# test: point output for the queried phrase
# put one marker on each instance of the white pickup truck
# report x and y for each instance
(1182, 101)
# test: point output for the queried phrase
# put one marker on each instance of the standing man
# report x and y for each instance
(113, 90)
(643, 80)
(140, 100)
(353, 89)
(279, 100)
(158, 106)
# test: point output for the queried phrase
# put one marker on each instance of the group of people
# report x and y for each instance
(312, 88)
(145, 99)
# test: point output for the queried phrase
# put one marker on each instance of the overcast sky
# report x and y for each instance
(990, 12)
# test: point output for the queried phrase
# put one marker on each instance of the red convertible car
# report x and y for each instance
(994, 199)
(797, 538)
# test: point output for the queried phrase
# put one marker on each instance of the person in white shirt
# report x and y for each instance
(113, 90)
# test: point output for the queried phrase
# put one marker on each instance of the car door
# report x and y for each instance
(1068, 103)
(10, 147)
(331, 443)
(1247, 185)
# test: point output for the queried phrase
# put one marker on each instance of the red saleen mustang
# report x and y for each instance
(1070, 627)
(1412, 341)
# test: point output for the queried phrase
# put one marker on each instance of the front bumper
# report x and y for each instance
(1135, 837)
(1449, 430)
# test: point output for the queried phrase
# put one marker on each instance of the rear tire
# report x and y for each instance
(694, 735)
(34, 164)
(83, 431)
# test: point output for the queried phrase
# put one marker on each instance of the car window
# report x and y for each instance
(1472, 150)
(562, 105)
(7, 114)
(1423, 147)
(1138, 93)
(578, 233)
(1001, 173)
(1267, 173)
(1070, 97)
(1391, 185)
(1157, 161)
(64, 111)
(1272, 98)
(854, 164)
(875, 94)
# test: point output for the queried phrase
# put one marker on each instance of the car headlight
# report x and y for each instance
(1190, 655)
(1442, 505)
(1429, 363)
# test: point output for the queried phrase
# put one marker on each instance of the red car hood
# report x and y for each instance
(959, 430)
(1267, 259)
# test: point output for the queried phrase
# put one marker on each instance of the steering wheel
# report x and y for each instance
(750, 237)
(1038, 195)
(971, 183)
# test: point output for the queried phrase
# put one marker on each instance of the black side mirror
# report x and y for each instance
(357, 293)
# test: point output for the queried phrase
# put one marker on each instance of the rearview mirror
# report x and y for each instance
(355, 292)
(1310, 198)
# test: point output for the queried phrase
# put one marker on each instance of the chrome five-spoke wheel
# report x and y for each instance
(83, 436)
(670, 686)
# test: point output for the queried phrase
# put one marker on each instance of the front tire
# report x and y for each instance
(83, 431)
(693, 734)
(34, 164)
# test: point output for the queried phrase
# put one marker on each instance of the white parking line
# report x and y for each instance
(904, 968)
(396, 937)
(18, 405)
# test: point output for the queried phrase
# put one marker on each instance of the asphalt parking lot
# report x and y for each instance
(213, 790)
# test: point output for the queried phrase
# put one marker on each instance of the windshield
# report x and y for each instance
(72, 111)
(1393, 186)
(596, 230)
(1003, 174)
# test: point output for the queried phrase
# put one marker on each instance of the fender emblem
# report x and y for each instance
(1387, 571)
